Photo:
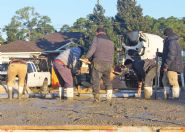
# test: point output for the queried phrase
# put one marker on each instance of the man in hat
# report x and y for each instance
(102, 53)
(172, 63)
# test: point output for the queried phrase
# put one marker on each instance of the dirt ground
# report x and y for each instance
(82, 111)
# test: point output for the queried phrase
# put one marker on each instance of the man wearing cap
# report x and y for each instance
(102, 53)
(172, 63)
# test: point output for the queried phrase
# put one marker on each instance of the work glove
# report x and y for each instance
(83, 57)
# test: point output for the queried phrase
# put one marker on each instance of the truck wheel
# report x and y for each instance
(45, 89)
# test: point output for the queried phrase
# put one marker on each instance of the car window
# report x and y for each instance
(4, 67)
(30, 69)
(34, 67)
(43, 66)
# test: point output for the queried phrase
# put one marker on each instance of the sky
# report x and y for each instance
(67, 11)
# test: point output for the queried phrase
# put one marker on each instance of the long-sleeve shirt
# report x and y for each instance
(102, 49)
(70, 56)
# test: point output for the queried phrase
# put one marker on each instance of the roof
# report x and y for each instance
(56, 40)
(20, 46)
(62, 36)
(49, 42)
(46, 45)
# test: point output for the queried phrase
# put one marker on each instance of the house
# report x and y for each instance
(19, 49)
(49, 45)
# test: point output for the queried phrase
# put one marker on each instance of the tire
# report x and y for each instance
(45, 88)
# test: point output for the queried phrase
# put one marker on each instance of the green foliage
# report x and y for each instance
(98, 16)
(88, 25)
(129, 15)
(178, 25)
(28, 25)
(1, 39)
(65, 28)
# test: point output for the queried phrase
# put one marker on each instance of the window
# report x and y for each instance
(4, 67)
(30, 69)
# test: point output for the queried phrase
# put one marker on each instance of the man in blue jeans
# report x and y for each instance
(102, 53)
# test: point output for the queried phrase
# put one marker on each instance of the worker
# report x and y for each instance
(172, 63)
(64, 64)
(102, 53)
(145, 71)
(17, 67)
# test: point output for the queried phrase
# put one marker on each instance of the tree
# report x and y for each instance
(1, 39)
(65, 28)
(176, 24)
(98, 16)
(85, 26)
(129, 15)
(98, 19)
(148, 21)
(28, 25)
(12, 30)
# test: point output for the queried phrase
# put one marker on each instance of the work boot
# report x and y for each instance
(96, 98)
(175, 93)
(166, 92)
(70, 93)
(148, 91)
(109, 95)
(60, 92)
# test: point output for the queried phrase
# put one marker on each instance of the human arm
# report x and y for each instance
(171, 54)
(92, 49)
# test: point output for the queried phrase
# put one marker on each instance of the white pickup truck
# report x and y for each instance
(37, 77)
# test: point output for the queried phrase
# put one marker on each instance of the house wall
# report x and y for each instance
(5, 57)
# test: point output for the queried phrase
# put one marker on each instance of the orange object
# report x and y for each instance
(54, 79)
(183, 129)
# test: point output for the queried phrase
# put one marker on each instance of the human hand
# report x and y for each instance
(83, 57)
(85, 60)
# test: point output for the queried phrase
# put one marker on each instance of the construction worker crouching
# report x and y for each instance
(146, 72)
(17, 67)
(63, 65)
